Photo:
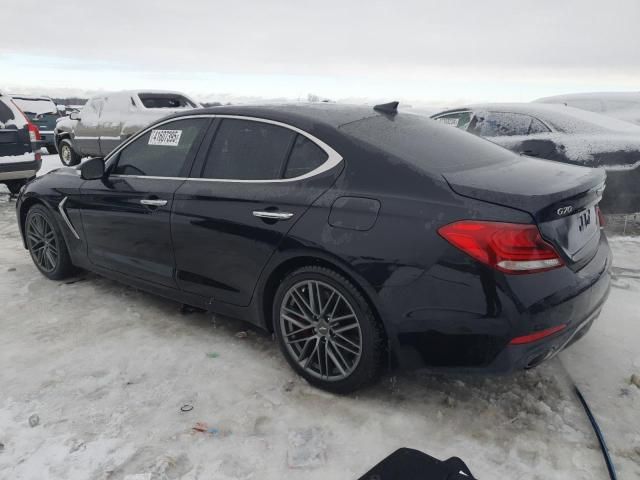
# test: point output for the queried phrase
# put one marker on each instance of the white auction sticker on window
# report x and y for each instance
(165, 137)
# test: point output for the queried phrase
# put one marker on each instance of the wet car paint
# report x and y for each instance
(440, 308)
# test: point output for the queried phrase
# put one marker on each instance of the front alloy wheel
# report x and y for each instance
(43, 243)
(46, 244)
(327, 330)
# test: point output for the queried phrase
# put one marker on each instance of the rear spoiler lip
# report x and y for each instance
(577, 203)
(578, 198)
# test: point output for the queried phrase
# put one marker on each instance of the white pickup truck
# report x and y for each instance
(108, 119)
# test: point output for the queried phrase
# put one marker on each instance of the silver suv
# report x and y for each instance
(108, 119)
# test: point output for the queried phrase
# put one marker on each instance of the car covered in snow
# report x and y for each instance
(620, 105)
(43, 113)
(362, 237)
(563, 134)
(20, 158)
(108, 119)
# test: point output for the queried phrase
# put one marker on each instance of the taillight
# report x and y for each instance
(509, 247)
(34, 133)
(534, 337)
(601, 220)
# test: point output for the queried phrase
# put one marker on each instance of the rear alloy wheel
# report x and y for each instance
(67, 155)
(327, 331)
(46, 244)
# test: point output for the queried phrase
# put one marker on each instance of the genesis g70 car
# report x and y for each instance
(362, 237)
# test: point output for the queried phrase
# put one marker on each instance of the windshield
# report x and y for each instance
(425, 143)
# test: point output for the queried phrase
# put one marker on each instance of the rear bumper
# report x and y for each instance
(47, 138)
(20, 170)
(477, 315)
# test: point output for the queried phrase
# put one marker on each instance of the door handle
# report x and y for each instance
(272, 215)
(153, 202)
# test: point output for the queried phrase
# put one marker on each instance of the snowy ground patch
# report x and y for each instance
(107, 369)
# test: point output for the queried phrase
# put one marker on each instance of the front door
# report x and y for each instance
(86, 136)
(126, 215)
(253, 182)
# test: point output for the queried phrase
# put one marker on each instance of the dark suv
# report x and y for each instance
(19, 142)
(43, 113)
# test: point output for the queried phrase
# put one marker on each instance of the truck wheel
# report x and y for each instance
(52, 149)
(68, 156)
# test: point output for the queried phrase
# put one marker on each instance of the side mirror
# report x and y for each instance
(74, 115)
(92, 169)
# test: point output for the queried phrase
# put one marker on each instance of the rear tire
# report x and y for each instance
(327, 331)
(46, 244)
(68, 156)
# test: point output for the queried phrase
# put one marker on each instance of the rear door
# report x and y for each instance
(126, 215)
(115, 107)
(86, 137)
(250, 186)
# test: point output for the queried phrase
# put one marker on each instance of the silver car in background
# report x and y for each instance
(108, 119)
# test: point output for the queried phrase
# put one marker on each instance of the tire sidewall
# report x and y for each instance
(369, 363)
(63, 265)
(73, 157)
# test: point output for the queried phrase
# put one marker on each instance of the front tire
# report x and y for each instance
(68, 156)
(52, 149)
(46, 244)
(327, 330)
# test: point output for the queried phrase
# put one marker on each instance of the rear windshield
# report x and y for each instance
(36, 106)
(10, 117)
(165, 100)
(426, 144)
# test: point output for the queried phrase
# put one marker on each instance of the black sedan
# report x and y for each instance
(564, 134)
(361, 237)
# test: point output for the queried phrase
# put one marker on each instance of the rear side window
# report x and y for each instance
(162, 151)
(500, 124)
(459, 119)
(305, 157)
(165, 100)
(248, 150)
(537, 127)
(10, 116)
(6, 114)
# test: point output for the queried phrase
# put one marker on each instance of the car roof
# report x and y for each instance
(560, 117)
(330, 114)
(20, 96)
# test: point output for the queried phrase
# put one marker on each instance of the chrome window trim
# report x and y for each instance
(333, 157)
(66, 218)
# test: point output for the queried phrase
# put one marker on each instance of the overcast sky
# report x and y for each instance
(434, 51)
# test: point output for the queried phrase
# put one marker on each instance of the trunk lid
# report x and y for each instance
(561, 199)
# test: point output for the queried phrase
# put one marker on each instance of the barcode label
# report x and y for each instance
(169, 138)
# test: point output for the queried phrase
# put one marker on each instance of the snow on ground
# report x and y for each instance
(106, 369)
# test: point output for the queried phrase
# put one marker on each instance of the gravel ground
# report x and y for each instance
(102, 371)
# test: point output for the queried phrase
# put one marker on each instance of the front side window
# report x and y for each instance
(248, 150)
(500, 124)
(459, 119)
(163, 151)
